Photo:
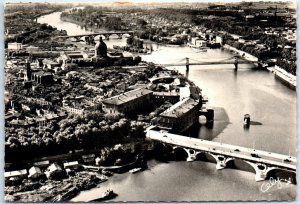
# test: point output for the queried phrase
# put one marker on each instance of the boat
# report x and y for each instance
(108, 194)
(135, 170)
(247, 119)
(200, 49)
(106, 173)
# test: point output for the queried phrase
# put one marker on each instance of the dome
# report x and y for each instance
(100, 49)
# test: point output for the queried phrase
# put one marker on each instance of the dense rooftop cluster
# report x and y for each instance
(48, 107)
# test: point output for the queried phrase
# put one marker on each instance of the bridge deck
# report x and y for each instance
(224, 149)
(95, 34)
(209, 63)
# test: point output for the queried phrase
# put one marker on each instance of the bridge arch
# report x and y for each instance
(126, 35)
(205, 156)
(202, 119)
(97, 37)
(117, 36)
(261, 170)
(208, 114)
(180, 153)
(240, 164)
(221, 161)
(284, 175)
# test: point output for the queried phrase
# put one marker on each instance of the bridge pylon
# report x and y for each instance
(187, 64)
(261, 170)
(236, 64)
(192, 154)
(221, 161)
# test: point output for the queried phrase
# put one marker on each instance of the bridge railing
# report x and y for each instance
(223, 149)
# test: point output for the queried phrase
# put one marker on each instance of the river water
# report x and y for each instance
(272, 107)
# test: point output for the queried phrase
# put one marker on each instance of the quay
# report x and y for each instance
(263, 162)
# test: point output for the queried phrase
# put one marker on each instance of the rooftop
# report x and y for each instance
(15, 173)
(42, 73)
(127, 96)
(180, 108)
(48, 61)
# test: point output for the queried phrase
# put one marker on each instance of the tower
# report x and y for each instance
(28, 71)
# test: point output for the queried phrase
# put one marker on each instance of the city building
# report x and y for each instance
(89, 158)
(54, 170)
(127, 102)
(35, 172)
(42, 164)
(180, 116)
(197, 42)
(161, 97)
(50, 64)
(101, 49)
(18, 174)
(14, 46)
(71, 165)
(42, 77)
(80, 104)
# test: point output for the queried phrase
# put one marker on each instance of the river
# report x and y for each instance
(272, 107)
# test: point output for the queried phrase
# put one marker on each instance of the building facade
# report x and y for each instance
(180, 116)
(42, 77)
(128, 102)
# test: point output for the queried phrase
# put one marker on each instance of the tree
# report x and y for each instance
(129, 41)
(141, 23)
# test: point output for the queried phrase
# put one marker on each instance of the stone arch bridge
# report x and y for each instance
(262, 162)
(106, 34)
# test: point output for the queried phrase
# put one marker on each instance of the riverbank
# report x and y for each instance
(82, 25)
(241, 53)
(287, 78)
(81, 177)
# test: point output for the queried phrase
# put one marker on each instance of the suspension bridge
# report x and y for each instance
(235, 60)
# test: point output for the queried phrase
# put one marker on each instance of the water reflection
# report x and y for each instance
(187, 74)
(211, 131)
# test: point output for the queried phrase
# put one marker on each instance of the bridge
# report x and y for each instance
(235, 60)
(261, 161)
(106, 34)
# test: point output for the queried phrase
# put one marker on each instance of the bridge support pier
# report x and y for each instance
(221, 161)
(236, 65)
(120, 36)
(187, 64)
(191, 155)
(209, 114)
(261, 170)
(106, 37)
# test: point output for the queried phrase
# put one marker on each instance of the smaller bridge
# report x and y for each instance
(107, 34)
(235, 60)
(261, 161)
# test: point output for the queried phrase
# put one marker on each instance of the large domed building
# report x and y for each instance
(101, 49)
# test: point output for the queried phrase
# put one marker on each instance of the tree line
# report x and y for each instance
(88, 131)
